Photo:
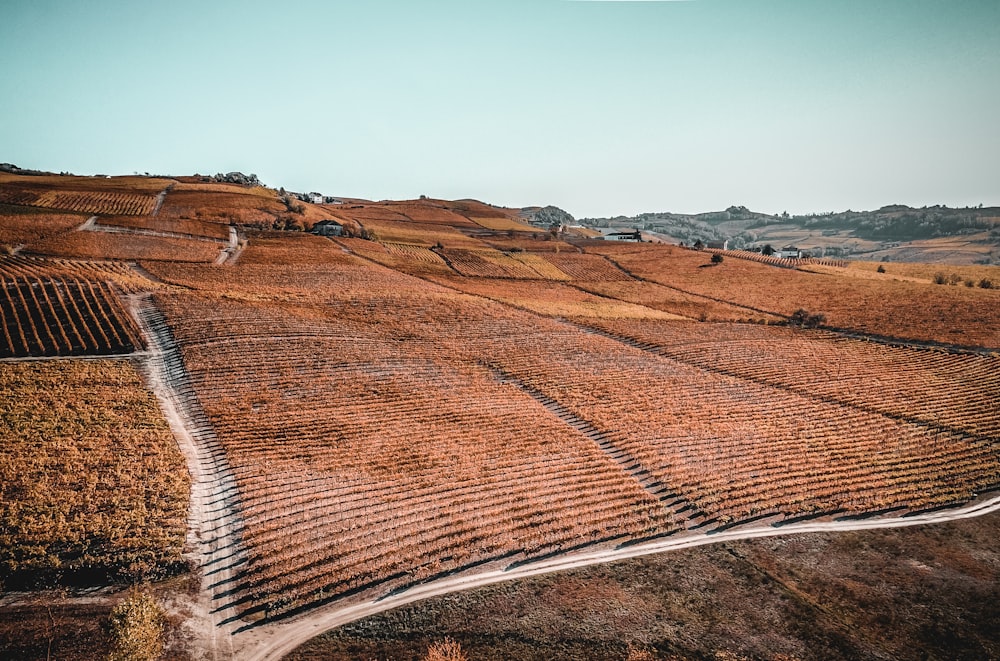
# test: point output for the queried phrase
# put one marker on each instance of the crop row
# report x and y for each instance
(63, 317)
(944, 390)
(403, 443)
(737, 448)
(105, 203)
(781, 261)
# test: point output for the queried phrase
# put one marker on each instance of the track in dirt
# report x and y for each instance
(214, 524)
(273, 642)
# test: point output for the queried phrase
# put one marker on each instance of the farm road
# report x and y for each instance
(273, 641)
(214, 524)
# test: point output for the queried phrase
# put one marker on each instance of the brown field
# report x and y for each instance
(128, 247)
(192, 228)
(420, 234)
(63, 317)
(30, 225)
(288, 249)
(105, 202)
(90, 490)
(926, 272)
(134, 184)
(247, 206)
(902, 309)
(470, 406)
(119, 273)
(553, 299)
(430, 213)
(456, 485)
(503, 224)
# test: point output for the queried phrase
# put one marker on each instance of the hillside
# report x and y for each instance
(420, 393)
(893, 233)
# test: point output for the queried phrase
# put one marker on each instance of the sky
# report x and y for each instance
(600, 107)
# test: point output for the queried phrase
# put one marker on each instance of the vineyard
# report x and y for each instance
(129, 247)
(453, 393)
(495, 435)
(63, 317)
(89, 490)
(950, 392)
(701, 431)
(467, 470)
(104, 202)
(894, 308)
(190, 228)
(21, 228)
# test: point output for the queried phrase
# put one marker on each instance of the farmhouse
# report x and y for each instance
(328, 228)
(718, 245)
(624, 236)
(788, 252)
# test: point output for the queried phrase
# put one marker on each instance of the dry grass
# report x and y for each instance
(93, 484)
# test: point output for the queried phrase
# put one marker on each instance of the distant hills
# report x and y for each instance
(968, 235)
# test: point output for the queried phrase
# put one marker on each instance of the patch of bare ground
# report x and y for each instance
(896, 593)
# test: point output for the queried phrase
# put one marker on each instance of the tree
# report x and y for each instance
(698, 245)
(716, 258)
(767, 250)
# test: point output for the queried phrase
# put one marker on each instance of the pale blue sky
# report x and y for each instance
(598, 107)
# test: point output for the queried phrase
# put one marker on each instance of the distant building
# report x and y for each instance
(316, 198)
(788, 252)
(718, 245)
(635, 236)
(328, 228)
(332, 200)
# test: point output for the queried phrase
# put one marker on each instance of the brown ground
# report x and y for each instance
(928, 592)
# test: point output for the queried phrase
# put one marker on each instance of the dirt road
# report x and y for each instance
(274, 641)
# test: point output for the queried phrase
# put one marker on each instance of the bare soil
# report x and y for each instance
(925, 592)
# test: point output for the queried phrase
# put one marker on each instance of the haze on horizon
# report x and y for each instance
(601, 107)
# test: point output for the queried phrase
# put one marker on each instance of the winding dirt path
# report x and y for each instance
(214, 525)
(271, 642)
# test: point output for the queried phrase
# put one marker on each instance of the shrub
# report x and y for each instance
(716, 258)
(803, 318)
(970, 283)
(986, 283)
(940, 279)
(445, 650)
(880, 269)
(136, 629)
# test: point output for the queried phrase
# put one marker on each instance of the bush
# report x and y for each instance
(986, 283)
(445, 650)
(940, 279)
(880, 269)
(803, 318)
(136, 629)
(716, 258)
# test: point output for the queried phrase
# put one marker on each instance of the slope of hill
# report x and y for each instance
(892, 233)
(478, 395)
